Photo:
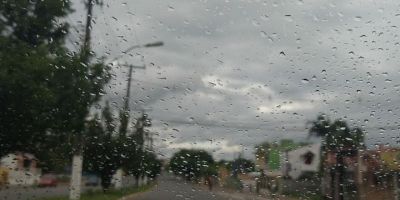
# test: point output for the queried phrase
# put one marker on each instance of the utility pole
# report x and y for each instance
(128, 92)
(77, 160)
(125, 112)
(86, 42)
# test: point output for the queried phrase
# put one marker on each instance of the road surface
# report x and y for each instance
(169, 187)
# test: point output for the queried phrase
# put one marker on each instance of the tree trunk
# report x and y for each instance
(136, 180)
(105, 181)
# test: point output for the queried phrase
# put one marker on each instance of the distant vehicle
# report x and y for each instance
(48, 180)
(92, 180)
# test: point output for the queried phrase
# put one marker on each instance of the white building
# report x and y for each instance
(21, 168)
(301, 160)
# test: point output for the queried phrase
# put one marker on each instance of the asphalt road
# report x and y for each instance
(169, 187)
(33, 193)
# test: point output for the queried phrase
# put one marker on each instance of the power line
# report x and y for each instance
(252, 126)
(227, 125)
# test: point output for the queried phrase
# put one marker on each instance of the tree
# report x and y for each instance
(34, 23)
(151, 165)
(145, 163)
(107, 150)
(133, 157)
(29, 41)
(337, 134)
(45, 90)
(101, 152)
(262, 150)
(191, 163)
(340, 139)
(242, 165)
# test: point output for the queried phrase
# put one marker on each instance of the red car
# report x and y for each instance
(48, 180)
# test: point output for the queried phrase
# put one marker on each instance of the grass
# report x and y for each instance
(109, 195)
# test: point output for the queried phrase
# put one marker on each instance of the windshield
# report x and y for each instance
(151, 99)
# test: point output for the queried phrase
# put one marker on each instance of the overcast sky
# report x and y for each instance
(235, 73)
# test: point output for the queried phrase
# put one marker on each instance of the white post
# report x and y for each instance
(140, 182)
(118, 179)
(76, 178)
(145, 180)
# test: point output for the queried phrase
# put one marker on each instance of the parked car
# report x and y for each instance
(48, 180)
(92, 180)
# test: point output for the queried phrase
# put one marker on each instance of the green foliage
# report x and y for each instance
(192, 164)
(102, 150)
(45, 91)
(106, 150)
(151, 165)
(34, 22)
(262, 149)
(242, 165)
(270, 151)
(336, 134)
(144, 163)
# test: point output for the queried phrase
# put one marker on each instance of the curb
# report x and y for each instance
(136, 194)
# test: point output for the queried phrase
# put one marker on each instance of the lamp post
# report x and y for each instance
(153, 44)
(124, 123)
(143, 121)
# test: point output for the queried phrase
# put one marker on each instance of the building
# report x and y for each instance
(379, 174)
(269, 156)
(21, 168)
(299, 161)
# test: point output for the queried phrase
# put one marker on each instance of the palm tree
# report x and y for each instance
(339, 138)
(337, 134)
(320, 127)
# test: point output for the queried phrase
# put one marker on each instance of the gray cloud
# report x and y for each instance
(240, 72)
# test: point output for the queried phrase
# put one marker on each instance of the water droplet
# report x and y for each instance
(304, 80)
(170, 8)
(289, 18)
(265, 17)
(357, 18)
(263, 34)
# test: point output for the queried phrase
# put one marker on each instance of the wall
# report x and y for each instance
(17, 173)
(297, 160)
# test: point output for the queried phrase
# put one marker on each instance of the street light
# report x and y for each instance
(146, 122)
(153, 44)
(126, 103)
